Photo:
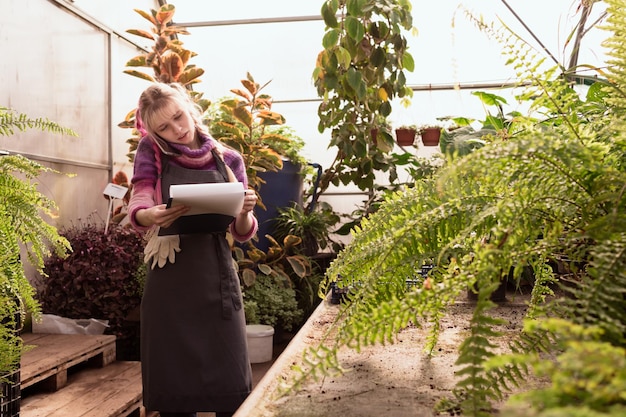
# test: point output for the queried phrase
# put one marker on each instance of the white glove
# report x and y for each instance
(161, 249)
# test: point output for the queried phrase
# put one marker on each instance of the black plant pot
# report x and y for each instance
(499, 295)
(322, 260)
(10, 384)
(341, 295)
(11, 397)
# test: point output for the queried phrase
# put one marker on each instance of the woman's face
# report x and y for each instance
(175, 125)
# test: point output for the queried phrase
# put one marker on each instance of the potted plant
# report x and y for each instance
(272, 302)
(242, 122)
(430, 134)
(247, 123)
(26, 237)
(382, 126)
(119, 212)
(269, 281)
(405, 135)
(461, 138)
(276, 170)
(312, 226)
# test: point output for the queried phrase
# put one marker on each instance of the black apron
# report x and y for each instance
(194, 354)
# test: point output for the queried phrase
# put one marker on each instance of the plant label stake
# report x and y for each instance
(113, 191)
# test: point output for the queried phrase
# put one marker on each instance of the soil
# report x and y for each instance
(398, 379)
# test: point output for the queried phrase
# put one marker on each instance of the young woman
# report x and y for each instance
(193, 336)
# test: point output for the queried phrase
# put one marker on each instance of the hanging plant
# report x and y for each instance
(405, 135)
(430, 135)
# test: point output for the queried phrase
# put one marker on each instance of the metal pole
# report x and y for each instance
(288, 19)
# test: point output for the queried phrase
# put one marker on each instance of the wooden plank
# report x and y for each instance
(56, 381)
(120, 396)
(52, 354)
(114, 390)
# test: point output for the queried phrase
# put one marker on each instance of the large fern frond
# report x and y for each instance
(11, 120)
(555, 192)
(23, 230)
(21, 222)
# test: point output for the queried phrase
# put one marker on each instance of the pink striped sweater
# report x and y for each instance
(147, 185)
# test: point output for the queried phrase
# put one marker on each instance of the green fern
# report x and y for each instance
(554, 192)
(476, 349)
(587, 374)
(544, 204)
(11, 120)
(23, 230)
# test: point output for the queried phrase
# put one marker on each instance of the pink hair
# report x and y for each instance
(139, 123)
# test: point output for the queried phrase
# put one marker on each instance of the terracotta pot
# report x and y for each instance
(374, 135)
(405, 137)
(430, 136)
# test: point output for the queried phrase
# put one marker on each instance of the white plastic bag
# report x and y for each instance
(51, 323)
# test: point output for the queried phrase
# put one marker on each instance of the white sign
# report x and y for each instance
(115, 191)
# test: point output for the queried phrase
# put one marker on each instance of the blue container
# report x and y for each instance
(281, 189)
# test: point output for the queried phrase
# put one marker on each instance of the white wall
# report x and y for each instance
(119, 16)
(62, 63)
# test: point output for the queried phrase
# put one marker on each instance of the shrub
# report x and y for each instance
(278, 273)
(102, 278)
(272, 301)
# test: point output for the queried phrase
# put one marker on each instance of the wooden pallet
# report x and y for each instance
(78, 376)
(114, 390)
(50, 356)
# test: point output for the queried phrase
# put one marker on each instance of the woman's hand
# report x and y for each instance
(245, 219)
(160, 215)
(249, 201)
